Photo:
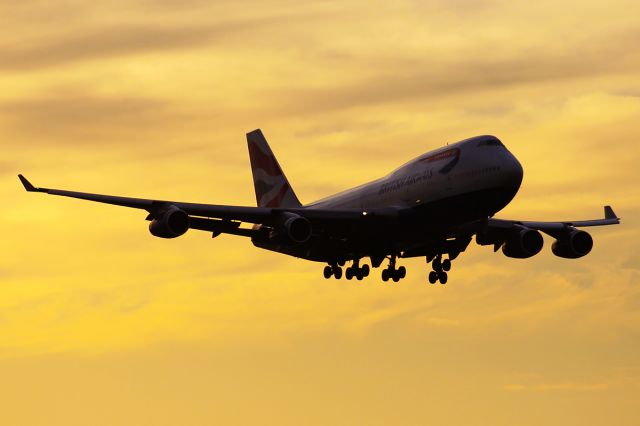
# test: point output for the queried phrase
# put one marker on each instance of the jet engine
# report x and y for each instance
(573, 245)
(169, 223)
(296, 228)
(523, 243)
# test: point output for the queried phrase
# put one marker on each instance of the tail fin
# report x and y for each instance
(271, 185)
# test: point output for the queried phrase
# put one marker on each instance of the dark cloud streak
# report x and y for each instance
(118, 40)
(76, 117)
(401, 79)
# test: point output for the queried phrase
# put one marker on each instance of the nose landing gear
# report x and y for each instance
(354, 271)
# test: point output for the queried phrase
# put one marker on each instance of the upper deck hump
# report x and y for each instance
(472, 141)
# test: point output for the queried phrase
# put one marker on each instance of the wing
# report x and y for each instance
(227, 218)
(244, 214)
(551, 228)
(522, 239)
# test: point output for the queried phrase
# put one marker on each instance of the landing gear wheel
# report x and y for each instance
(328, 272)
(437, 264)
(348, 273)
(395, 277)
(433, 277)
(385, 275)
(365, 270)
(359, 275)
(446, 265)
(402, 272)
(442, 276)
(337, 272)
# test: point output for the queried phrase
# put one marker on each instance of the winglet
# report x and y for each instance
(608, 213)
(27, 185)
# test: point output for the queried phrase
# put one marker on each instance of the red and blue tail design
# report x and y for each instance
(271, 185)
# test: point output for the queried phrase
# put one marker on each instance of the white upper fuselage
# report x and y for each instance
(473, 165)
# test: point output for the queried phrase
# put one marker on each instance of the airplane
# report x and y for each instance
(431, 207)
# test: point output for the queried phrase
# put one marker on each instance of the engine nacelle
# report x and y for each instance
(169, 223)
(297, 228)
(573, 245)
(523, 243)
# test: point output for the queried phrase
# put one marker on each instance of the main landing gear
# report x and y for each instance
(354, 271)
(392, 273)
(332, 271)
(357, 271)
(439, 274)
(440, 268)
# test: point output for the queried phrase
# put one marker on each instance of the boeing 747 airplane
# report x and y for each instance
(430, 207)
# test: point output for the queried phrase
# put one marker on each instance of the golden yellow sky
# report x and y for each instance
(102, 324)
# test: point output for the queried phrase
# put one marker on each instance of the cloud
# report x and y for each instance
(7, 166)
(407, 76)
(558, 387)
(631, 261)
(82, 119)
(116, 40)
(105, 42)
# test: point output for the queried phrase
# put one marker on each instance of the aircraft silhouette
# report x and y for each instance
(430, 207)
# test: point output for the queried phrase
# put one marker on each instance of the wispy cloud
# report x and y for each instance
(558, 387)
(401, 78)
(79, 119)
(115, 40)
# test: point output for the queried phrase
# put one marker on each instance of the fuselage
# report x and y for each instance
(479, 170)
(434, 195)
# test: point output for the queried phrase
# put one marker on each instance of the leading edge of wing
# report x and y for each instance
(240, 213)
(245, 214)
(610, 218)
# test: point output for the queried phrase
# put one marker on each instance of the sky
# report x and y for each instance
(103, 324)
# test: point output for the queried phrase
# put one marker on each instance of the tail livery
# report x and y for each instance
(271, 185)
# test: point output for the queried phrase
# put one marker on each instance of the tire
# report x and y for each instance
(385, 275)
(348, 273)
(446, 265)
(395, 277)
(433, 277)
(402, 272)
(337, 272)
(442, 276)
(328, 272)
(437, 264)
(365, 270)
(359, 276)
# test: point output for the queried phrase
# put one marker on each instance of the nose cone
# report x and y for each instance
(512, 171)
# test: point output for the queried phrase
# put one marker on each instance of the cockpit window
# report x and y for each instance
(490, 142)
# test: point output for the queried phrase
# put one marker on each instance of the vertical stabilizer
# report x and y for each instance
(271, 185)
